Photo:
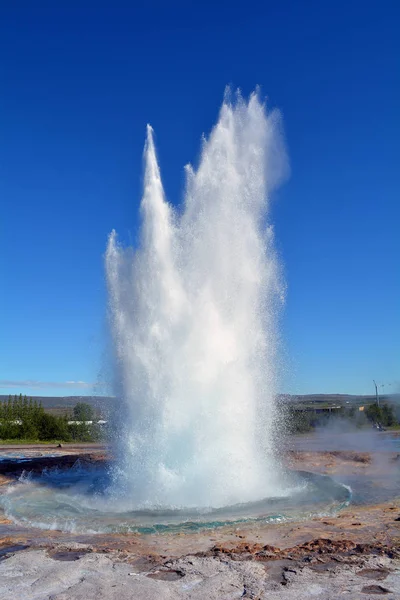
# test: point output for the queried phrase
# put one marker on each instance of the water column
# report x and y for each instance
(193, 312)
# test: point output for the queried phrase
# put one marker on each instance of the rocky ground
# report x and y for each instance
(39, 574)
(354, 554)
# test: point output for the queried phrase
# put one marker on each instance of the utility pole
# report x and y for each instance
(376, 393)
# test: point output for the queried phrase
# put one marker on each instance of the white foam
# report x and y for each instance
(194, 320)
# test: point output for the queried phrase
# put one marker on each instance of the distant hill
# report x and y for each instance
(66, 401)
(104, 403)
(338, 399)
(331, 398)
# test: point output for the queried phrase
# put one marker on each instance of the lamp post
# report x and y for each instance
(376, 392)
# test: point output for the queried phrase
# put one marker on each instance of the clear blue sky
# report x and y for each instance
(79, 82)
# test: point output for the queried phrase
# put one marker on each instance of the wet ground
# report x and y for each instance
(354, 553)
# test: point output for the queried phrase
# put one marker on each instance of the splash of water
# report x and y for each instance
(194, 323)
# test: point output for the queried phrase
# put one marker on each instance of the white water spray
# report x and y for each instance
(194, 323)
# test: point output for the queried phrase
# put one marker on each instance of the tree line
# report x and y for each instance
(23, 418)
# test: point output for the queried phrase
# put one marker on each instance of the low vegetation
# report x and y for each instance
(24, 419)
(303, 421)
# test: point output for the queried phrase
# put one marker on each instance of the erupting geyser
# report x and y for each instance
(194, 323)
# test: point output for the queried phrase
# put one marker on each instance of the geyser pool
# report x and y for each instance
(79, 500)
(193, 312)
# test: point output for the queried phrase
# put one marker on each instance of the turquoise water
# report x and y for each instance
(79, 500)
